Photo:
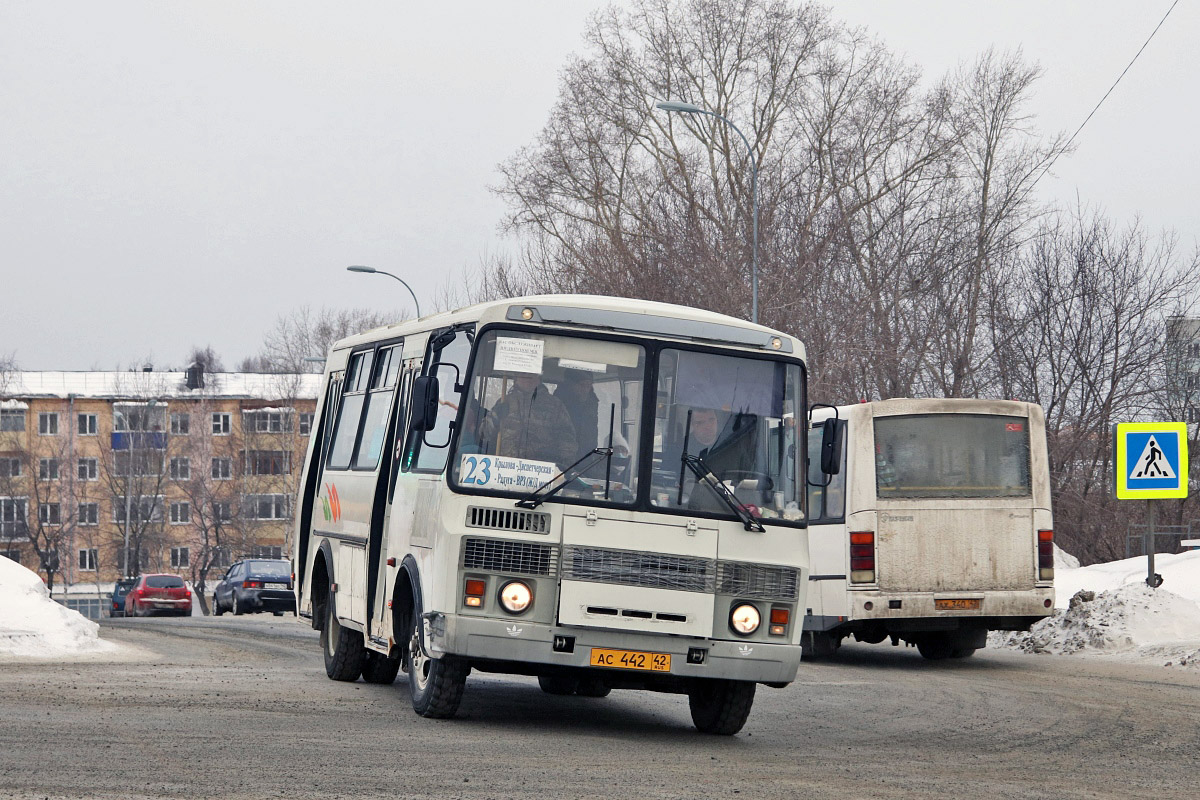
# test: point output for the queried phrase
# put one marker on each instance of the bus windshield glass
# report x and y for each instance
(952, 455)
(738, 415)
(539, 404)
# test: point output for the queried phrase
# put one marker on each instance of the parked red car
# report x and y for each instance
(153, 593)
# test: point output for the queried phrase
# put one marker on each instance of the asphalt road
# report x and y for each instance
(241, 708)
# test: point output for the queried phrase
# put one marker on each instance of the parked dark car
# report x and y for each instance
(116, 604)
(158, 592)
(258, 584)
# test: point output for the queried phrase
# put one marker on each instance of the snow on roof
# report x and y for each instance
(133, 385)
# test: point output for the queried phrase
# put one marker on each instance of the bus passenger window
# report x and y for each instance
(379, 402)
(349, 415)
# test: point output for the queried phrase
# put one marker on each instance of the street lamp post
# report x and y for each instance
(688, 108)
(372, 270)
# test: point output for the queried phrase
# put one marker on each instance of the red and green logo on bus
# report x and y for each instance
(331, 505)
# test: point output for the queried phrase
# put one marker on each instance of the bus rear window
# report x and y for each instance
(952, 455)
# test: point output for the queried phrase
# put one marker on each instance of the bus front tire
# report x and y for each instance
(720, 707)
(378, 668)
(435, 684)
(342, 647)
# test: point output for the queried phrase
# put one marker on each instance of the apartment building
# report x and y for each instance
(168, 471)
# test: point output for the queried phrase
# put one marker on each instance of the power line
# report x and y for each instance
(1067, 146)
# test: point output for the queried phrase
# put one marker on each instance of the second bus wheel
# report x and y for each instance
(378, 668)
(342, 647)
(435, 684)
(720, 707)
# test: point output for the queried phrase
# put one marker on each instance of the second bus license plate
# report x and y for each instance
(957, 604)
(628, 659)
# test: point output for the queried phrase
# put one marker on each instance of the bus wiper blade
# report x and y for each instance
(537, 496)
(705, 475)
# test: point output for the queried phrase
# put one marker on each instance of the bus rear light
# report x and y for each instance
(1045, 555)
(862, 556)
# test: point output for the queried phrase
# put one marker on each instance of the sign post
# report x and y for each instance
(1151, 464)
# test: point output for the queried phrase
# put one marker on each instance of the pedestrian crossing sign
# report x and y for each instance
(1151, 460)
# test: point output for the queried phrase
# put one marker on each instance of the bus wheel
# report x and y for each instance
(592, 687)
(720, 707)
(343, 648)
(962, 652)
(435, 684)
(378, 668)
(558, 684)
(936, 647)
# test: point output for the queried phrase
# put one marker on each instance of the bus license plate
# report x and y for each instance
(628, 659)
(957, 604)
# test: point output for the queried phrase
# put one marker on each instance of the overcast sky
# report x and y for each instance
(182, 173)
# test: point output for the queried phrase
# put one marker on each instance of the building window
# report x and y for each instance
(221, 422)
(267, 551)
(10, 467)
(12, 555)
(89, 469)
(48, 469)
(12, 419)
(181, 424)
(12, 516)
(139, 417)
(143, 558)
(221, 557)
(266, 506)
(86, 424)
(88, 556)
(181, 513)
(266, 421)
(181, 469)
(89, 513)
(222, 512)
(306, 421)
(179, 557)
(1193, 349)
(139, 463)
(144, 509)
(268, 462)
(50, 513)
(222, 469)
(48, 423)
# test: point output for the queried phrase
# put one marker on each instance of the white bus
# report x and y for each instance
(935, 529)
(599, 492)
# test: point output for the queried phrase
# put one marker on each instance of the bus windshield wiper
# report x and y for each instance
(540, 495)
(704, 475)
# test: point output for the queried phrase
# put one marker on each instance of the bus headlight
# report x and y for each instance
(745, 619)
(515, 597)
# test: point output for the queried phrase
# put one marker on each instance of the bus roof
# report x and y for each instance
(597, 312)
(933, 405)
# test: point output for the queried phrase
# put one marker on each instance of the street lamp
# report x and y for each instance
(689, 108)
(374, 271)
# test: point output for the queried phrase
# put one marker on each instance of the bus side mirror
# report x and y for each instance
(425, 403)
(831, 447)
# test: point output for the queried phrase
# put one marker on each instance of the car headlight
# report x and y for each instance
(745, 619)
(515, 597)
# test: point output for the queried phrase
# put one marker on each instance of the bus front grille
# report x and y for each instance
(499, 555)
(757, 581)
(652, 570)
(507, 519)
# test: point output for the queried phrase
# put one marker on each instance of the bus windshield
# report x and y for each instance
(538, 404)
(952, 455)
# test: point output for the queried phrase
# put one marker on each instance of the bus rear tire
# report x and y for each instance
(435, 684)
(936, 647)
(558, 684)
(962, 652)
(592, 687)
(378, 668)
(342, 647)
(720, 707)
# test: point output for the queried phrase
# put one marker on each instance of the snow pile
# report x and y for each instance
(33, 625)
(1108, 608)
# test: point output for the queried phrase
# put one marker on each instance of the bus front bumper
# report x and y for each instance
(527, 643)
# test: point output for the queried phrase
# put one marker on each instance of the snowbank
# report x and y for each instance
(33, 625)
(1109, 609)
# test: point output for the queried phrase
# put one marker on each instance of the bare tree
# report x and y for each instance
(33, 481)
(307, 333)
(206, 358)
